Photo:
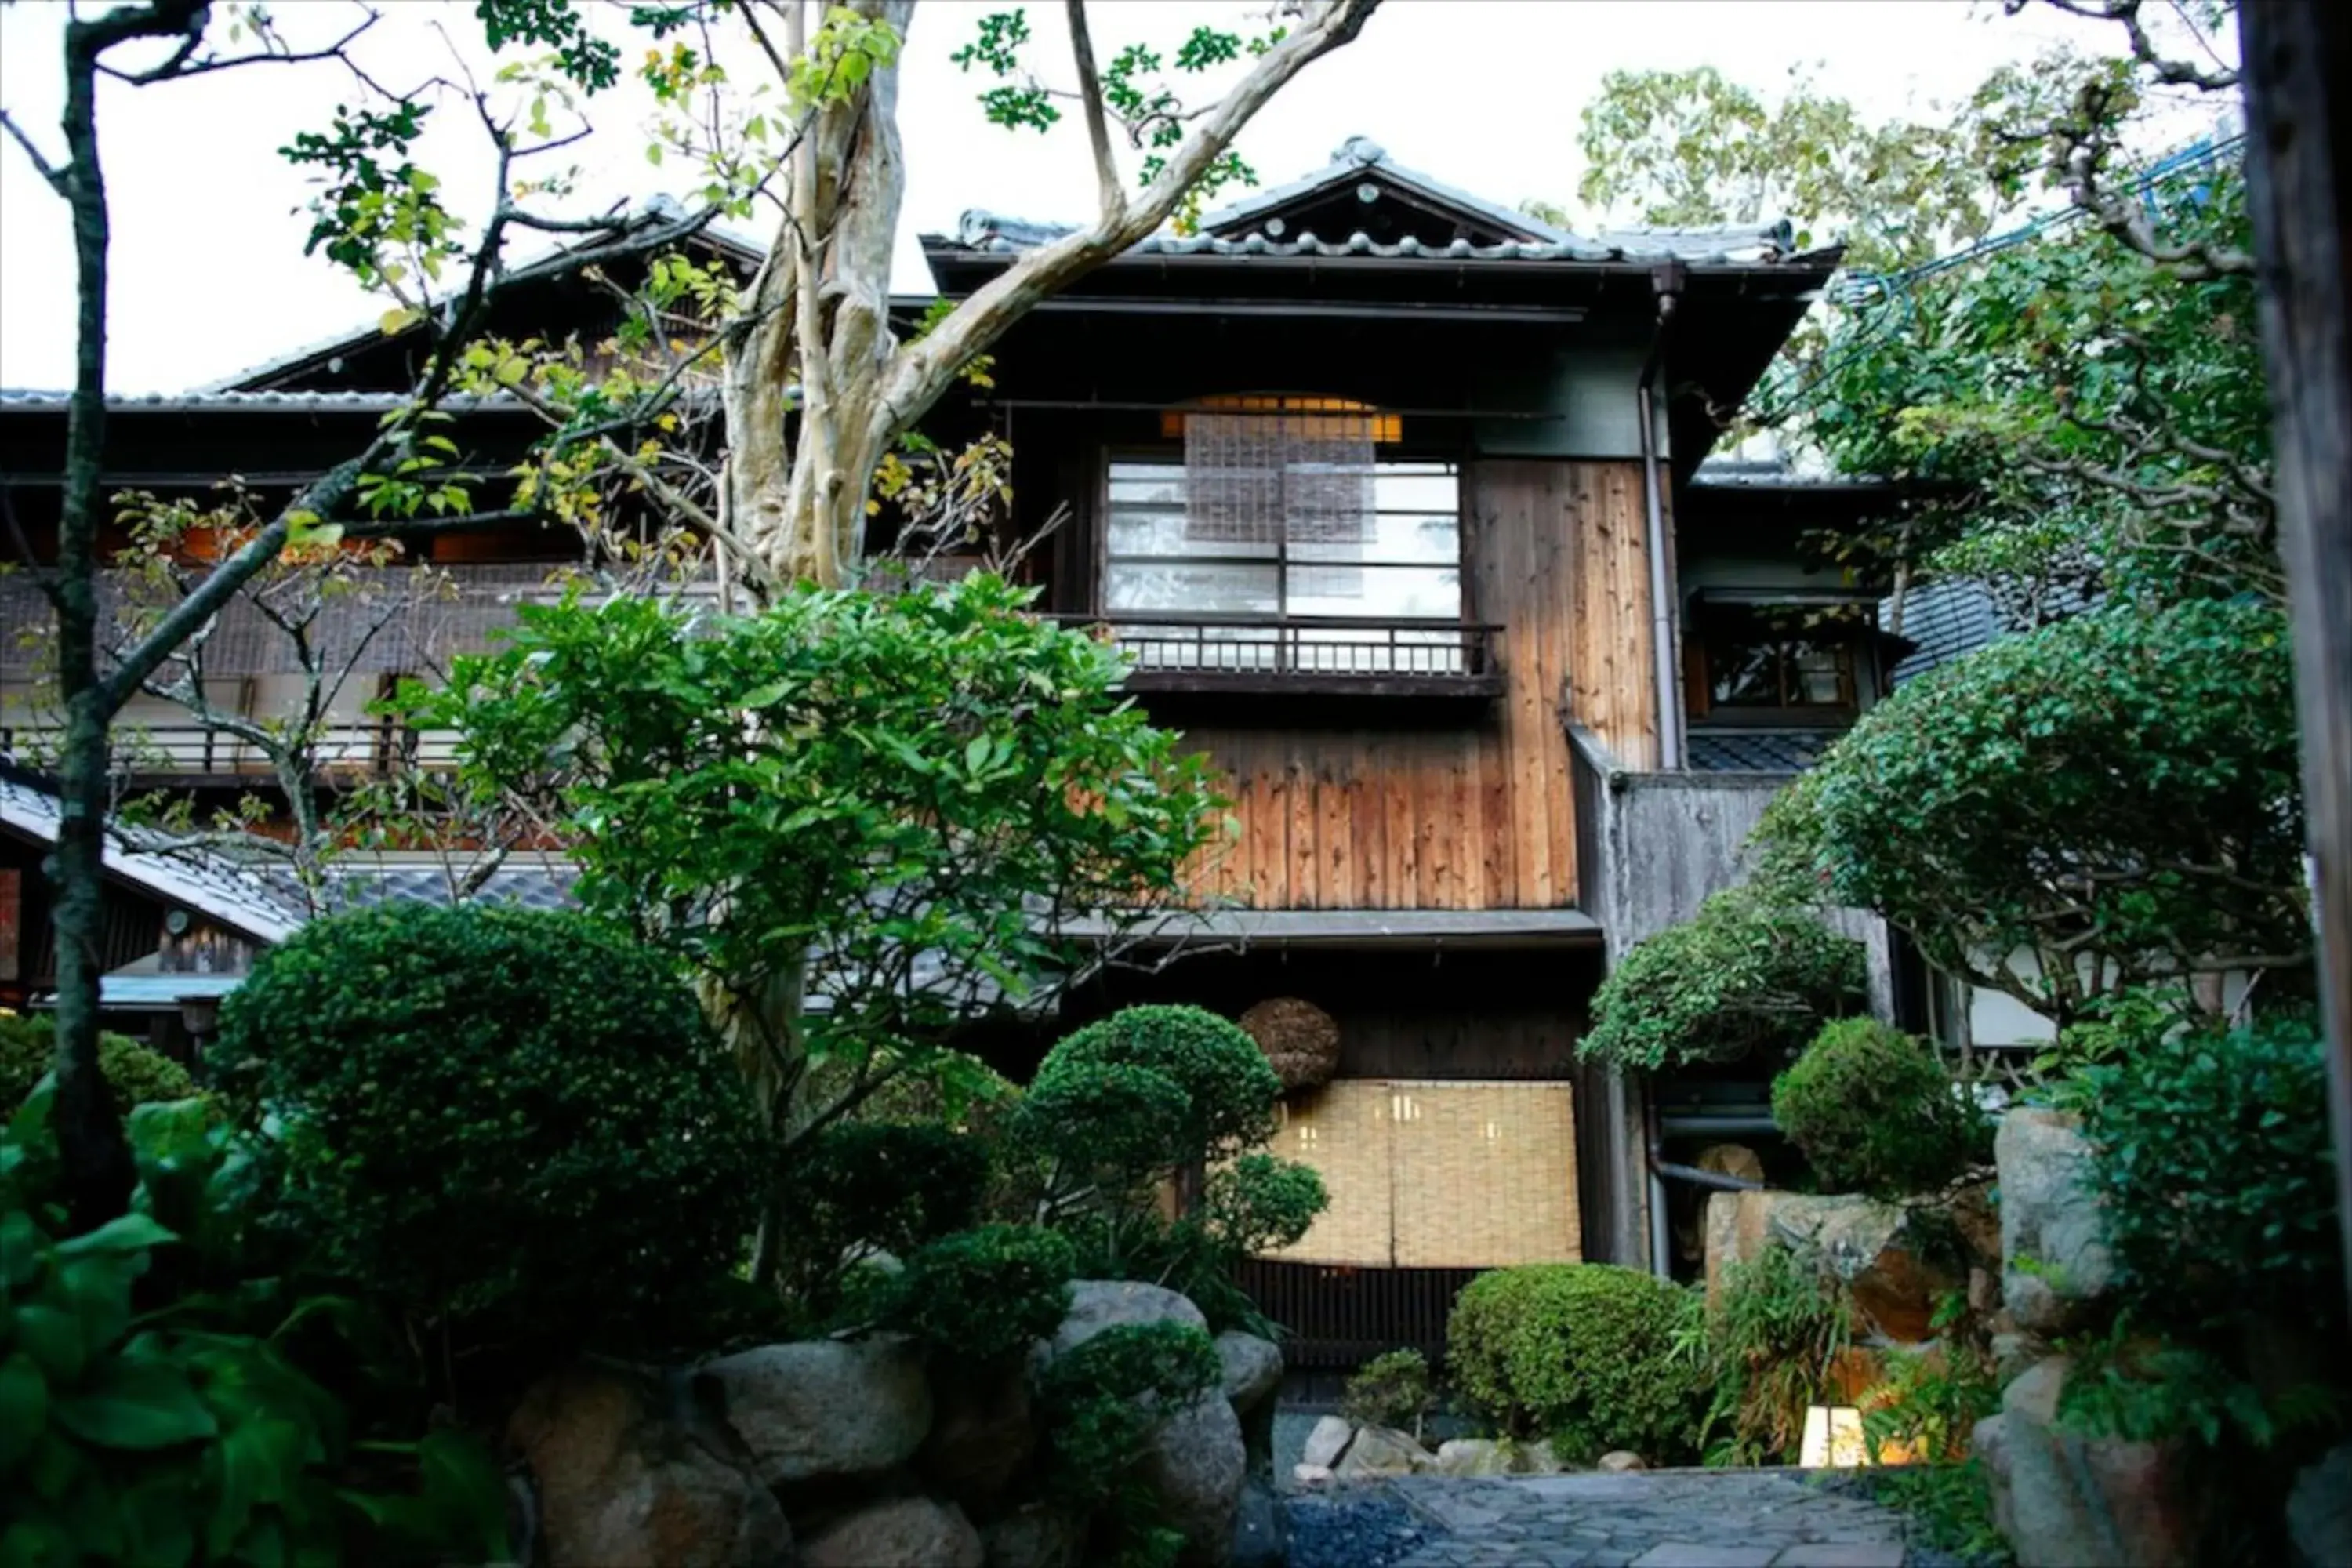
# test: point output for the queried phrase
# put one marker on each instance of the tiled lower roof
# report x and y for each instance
(1757, 750)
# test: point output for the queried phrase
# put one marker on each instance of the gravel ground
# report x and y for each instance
(1363, 1527)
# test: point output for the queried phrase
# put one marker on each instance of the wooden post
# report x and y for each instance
(2298, 63)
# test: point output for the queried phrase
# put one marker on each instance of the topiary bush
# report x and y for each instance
(134, 1074)
(1591, 1356)
(1745, 976)
(1229, 1090)
(860, 1187)
(1875, 1111)
(499, 1118)
(985, 1293)
(1393, 1389)
(2214, 1169)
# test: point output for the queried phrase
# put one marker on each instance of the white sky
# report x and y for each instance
(208, 274)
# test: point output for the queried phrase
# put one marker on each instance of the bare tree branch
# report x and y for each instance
(49, 172)
(1112, 194)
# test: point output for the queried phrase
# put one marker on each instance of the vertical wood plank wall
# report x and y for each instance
(1469, 809)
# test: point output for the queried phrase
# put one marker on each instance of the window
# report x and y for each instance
(1754, 663)
(1288, 520)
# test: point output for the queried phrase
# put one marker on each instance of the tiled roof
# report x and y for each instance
(534, 885)
(1756, 750)
(992, 233)
(1349, 161)
(211, 883)
(214, 400)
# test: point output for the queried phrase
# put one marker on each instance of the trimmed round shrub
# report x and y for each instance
(1588, 1355)
(2214, 1170)
(1745, 976)
(134, 1074)
(1875, 1111)
(985, 1293)
(1118, 1123)
(495, 1113)
(1230, 1090)
(1393, 1389)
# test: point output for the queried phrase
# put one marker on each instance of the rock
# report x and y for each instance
(905, 1532)
(2012, 1354)
(1731, 1160)
(1310, 1475)
(1473, 1457)
(2068, 1501)
(825, 1408)
(1892, 1263)
(1099, 1304)
(1536, 1459)
(1257, 1528)
(620, 1480)
(1381, 1451)
(2053, 1244)
(1619, 1461)
(2319, 1509)
(1326, 1441)
(982, 1432)
(1195, 1467)
(1253, 1369)
(1037, 1536)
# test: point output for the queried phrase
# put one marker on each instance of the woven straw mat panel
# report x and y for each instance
(1437, 1174)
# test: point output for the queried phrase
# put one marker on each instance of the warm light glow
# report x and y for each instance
(1832, 1437)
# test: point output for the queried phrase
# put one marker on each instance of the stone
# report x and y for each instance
(2054, 1253)
(1535, 1459)
(1195, 1467)
(821, 1409)
(623, 1477)
(1699, 1555)
(1619, 1461)
(2068, 1501)
(1310, 1475)
(904, 1533)
(1037, 1536)
(1253, 1369)
(1326, 1441)
(1891, 1265)
(2319, 1509)
(1258, 1534)
(2012, 1354)
(982, 1432)
(1841, 1554)
(1099, 1304)
(1731, 1160)
(1381, 1451)
(1473, 1457)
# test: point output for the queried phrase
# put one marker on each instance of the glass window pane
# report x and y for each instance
(1387, 592)
(1162, 483)
(1395, 539)
(1159, 533)
(1416, 487)
(1744, 674)
(1817, 671)
(1201, 590)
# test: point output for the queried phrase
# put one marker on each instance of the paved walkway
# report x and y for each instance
(1666, 1519)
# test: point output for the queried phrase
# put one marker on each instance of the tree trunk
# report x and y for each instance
(2298, 58)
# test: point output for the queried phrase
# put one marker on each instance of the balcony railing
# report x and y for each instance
(193, 754)
(1330, 655)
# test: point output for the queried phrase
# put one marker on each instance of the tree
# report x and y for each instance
(2105, 803)
(815, 385)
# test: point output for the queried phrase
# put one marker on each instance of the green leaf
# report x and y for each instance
(124, 1232)
(136, 1405)
(24, 1408)
(53, 1338)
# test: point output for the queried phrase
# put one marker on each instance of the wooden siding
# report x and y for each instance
(1465, 807)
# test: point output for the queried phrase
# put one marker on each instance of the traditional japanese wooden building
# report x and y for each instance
(1396, 498)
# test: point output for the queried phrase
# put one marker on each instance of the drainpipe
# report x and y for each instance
(1667, 280)
(1662, 1261)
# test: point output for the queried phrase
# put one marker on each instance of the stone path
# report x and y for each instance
(1667, 1519)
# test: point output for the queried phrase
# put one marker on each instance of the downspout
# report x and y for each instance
(1667, 280)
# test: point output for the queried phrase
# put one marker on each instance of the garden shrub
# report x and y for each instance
(1393, 1389)
(1100, 1402)
(134, 1074)
(858, 1187)
(1745, 976)
(2214, 1167)
(1772, 1340)
(1875, 1111)
(152, 1405)
(1229, 1090)
(985, 1293)
(1590, 1355)
(490, 1113)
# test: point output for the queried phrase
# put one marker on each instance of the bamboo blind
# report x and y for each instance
(1427, 1174)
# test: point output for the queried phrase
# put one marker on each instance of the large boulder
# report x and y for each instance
(827, 1409)
(1326, 1441)
(905, 1532)
(1037, 1536)
(1253, 1369)
(2053, 1241)
(1195, 1468)
(628, 1471)
(982, 1432)
(1099, 1304)
(1258, 1534)
(2319, 1509)
(1473, 1457)
(2063, 1500)
(1894, 1260)
(1382, 1451)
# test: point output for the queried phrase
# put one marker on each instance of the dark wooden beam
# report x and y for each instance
(2298, 63)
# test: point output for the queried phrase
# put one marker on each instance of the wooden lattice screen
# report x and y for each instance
(1262, 479)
